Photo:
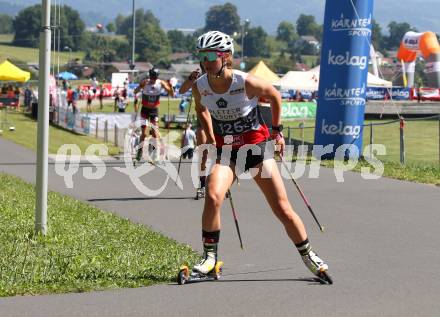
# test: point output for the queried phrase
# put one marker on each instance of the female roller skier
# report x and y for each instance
(226, 104)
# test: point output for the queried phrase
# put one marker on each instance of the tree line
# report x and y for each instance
(155, 44)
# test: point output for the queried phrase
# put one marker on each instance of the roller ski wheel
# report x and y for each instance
(324, 278)
(185, 277)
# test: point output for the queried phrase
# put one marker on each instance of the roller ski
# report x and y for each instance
(317, 266)
(187, 276)
(200, 193)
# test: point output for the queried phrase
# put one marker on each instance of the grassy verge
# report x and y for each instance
(415, 172)
(85, 249)
(421, 139)
(26, 134)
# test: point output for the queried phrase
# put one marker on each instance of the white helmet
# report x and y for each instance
(215, 40)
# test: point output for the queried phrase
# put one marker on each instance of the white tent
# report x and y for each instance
(374, 81)
(299, 80)
(310, 80)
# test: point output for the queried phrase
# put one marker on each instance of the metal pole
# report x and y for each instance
(59, 36)
(242, 42)
(97, 122)
(54, 36)
(439, 138)
(106, 131)
(134, 35)
(234, 214)
(116, 135)
(402, 142)
(43, 121)
(371, 139)
(301, 125)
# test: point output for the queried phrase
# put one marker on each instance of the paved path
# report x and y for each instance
(381, 243)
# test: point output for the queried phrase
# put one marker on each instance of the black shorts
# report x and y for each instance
(150, 114)
(189, 153)
(267, 150)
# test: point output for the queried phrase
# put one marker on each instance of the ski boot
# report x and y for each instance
(317, 266)
(200, 193)
(209, 269)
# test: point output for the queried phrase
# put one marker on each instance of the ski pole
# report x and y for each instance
(302, 194)
(184, 137)
(235, 218)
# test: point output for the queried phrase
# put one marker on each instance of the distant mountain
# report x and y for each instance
(422, 14)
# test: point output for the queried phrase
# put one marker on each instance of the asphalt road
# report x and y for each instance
(381, 244)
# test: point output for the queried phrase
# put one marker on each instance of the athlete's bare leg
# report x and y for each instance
(218, 182)
(275, 193)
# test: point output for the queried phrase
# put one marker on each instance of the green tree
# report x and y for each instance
(306, 25)
(103, 49)
(6, 24)
(255, 42)
(286, 32)
(377, 38)
(27, 27)
(223, 18)
(420, 75)
(143, 18)
(306, 48)
(178, 41)
(152, 44)
(111, 27)
(119, 20)
(396, 31)
(191, 40)
(283, 63)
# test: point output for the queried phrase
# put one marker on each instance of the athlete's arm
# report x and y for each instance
(167, 87)
(204, 116)
(140, 86)
(186, 85)
(260, 88)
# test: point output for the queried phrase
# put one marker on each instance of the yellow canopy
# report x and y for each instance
(262, 71)
(10, 72)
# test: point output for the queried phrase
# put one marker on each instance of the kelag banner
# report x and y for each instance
(343, 74)
(378, 93)
(298, 110)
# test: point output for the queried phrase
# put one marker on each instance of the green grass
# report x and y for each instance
(31, 55)
(26, 134)
(85, 248)
(421, 139)
(415, 172)
(108, 106)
